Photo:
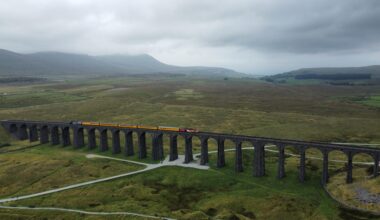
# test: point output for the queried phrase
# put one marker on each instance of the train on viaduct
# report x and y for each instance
(59, 133)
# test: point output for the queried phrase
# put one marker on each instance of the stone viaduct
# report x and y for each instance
(59, 133)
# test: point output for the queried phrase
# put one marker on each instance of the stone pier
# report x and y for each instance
(157, 146)
(129, 148)
(238, 157)
(44, 134)
(78, 137)
(376, 165)
(302, 165)
(33, 133)
(103, 140)
(349, 167)
(204, 150)
(220, 157)
(281, 161)
(91, 138)
(173, 151)
(325, 169)
(188, 149)
(66, 136)
(142, 145)
(259, 159)
(54, 135)
(116, 142)
(22, 132)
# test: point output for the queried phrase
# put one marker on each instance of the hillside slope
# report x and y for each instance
(57, 63)
(374, 70)
(332, 75)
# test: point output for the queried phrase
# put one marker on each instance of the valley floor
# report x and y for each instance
(241, 106)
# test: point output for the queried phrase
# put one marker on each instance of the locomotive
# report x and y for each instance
(148, 127)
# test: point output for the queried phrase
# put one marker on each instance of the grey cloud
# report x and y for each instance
(220, 28)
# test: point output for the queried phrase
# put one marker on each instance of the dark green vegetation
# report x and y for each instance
(305, 112)
(21, 79)
(343, 76)
(372, 100)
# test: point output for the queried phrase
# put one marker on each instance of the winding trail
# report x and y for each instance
(84, 212)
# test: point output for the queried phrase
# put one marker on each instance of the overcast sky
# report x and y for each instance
(252, 36)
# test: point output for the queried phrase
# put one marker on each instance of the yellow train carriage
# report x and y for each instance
(108, 125)
(127, 126)
(166, 128)
(147, 127)
(90, 123)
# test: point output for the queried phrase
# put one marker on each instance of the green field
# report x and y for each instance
(372, 101)
(238, 106)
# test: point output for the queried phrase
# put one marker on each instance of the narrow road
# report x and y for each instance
(83, 212)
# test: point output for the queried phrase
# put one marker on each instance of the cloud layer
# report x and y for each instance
(253, 36)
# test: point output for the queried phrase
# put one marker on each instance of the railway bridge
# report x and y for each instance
(60, 133)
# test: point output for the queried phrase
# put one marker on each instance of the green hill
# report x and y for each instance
(367, 75)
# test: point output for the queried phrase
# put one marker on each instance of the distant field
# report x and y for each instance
(35, 98)
(238, 106)
(372, 101)
(233, 106)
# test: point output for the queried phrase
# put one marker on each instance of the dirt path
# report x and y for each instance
(364, 196)
(83, 212)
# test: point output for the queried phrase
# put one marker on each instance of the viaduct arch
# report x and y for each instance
(59, 133)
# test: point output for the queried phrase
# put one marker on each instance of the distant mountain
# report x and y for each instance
(333, 75)
(143, 63)
(57, 63)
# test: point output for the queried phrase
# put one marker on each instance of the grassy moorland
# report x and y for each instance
(314, 112)
(239, 106)
(42, 168)
(198, 194)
